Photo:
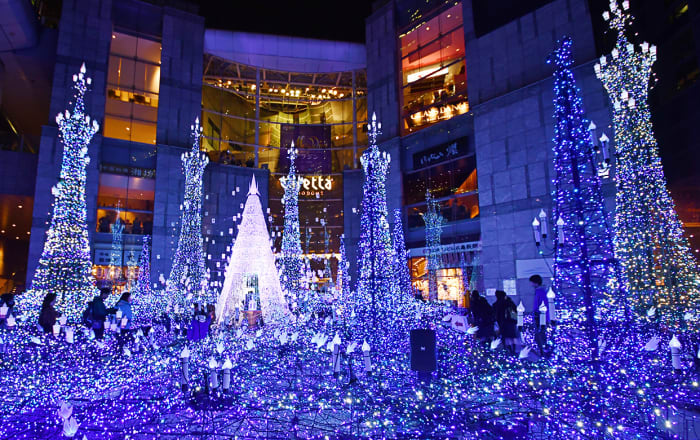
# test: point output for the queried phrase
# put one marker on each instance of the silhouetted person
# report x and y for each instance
(540, 298)
(99, 312)
(507, 318)
(482, 315)
(48, 315)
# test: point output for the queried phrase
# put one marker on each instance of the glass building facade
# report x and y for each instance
(433, 68)
(133, 83)
(252, 115)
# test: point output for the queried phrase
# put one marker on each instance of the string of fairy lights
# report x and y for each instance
(344, 374)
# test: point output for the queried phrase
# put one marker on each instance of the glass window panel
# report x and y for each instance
(142, 156)
(236, 104)
(414, 216)
(113, 70)
(362, 134)
(131, 109)
(235, 154)
(341, 135)
(125, 72)
(123, 44)
(211, 98)
(118, 128)
(270, 158)
(440, 178)
(361, 109)
(140, 223)
(270, 134)
(434, 72)
(152, 79)
(408, 42)
(343, 159)
(415, 185)
(466, 207)
(237, 131)
(145, 113)
(143, 132)
(141, 193)
(451, 18)
(464, 177)
(114, 106)
(211, 125)
(429, 31)
(146, 77)
(148, 50)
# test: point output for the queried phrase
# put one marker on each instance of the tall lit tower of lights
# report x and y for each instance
(433, 231)
(115, 257)
(65, 267)
(586, 274)
(186, 278)
(292, 264)
(649, 239)
(376, 286)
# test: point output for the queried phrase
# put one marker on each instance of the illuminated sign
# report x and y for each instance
(312, 185)
(438, 113)
(441, 153)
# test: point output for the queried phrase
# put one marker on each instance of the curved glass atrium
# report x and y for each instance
(252, 115)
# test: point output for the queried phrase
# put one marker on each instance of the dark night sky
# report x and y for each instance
(306, 18)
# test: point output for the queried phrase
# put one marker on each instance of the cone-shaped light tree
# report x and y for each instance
(377, 288)
(146, 304)
(115, 256)
(585, 270)
(65, 267)
(649, 240)
(401, 256)
(433, 231)
(186, 278)
(292, 263)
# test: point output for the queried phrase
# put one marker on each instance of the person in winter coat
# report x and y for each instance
(540, 297)
(200, 324)
(482, 316)
(124, 305)
(48, 315)
(99, 312)
(507, 319)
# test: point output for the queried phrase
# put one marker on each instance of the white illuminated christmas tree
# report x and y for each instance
(251, 258)
(649, 238)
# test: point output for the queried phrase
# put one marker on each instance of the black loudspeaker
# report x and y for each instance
(423, 350)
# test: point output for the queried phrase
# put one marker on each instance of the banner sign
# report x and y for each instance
(441, 153)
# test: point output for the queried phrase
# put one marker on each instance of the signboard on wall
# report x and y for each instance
(535, 266)
(441, 153)
(313, 143)
(127, 171)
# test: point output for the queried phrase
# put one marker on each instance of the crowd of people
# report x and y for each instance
(497, 320)
(503, 316)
